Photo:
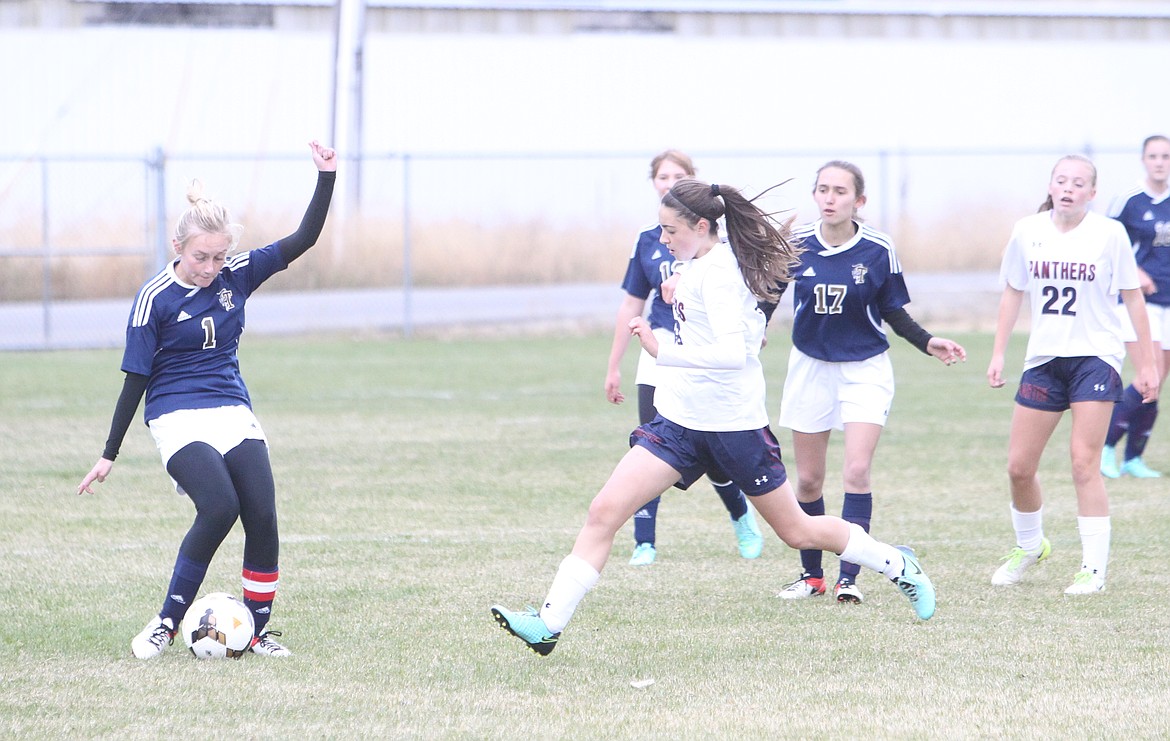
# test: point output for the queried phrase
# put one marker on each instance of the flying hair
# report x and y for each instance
(760, 243)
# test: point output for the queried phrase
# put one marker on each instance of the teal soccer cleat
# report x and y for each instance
(748, 536)
(528, 627)
(915, 584)
(1137, 468)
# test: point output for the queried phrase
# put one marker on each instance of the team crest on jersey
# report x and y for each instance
(859, 272)
(225, 299)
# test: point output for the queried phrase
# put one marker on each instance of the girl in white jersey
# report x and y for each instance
(650, 265)
(848, 283)
(1072, 264)
(711, 410)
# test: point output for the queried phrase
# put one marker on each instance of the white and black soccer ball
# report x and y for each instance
(218, 626)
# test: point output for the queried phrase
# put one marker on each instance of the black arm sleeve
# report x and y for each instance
(132, 391)
(297, 243)
(905, 327)
(769, 307)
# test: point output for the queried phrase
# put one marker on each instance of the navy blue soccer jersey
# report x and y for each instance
(184, 338)
(840, 294)
(1147, 221)
(650, 264)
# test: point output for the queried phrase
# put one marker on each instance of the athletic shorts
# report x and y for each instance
(223, 428)
(820, 396)
(751, 458)
(1159, 324)
(1052, 387)
(647, 374)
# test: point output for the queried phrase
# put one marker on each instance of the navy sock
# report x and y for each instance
(185, 582)
(1141, 424)
(810, 561)
(858, 509)
(1123, 412)
(733, 499)
(645, 520)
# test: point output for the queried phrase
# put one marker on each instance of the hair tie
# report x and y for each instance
(714, 189)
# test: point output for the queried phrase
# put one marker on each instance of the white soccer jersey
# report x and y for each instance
(1072, 280)
(712, 301)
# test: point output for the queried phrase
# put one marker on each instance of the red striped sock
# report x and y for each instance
(259, 591)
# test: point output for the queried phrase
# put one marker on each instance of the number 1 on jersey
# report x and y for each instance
(208, 325)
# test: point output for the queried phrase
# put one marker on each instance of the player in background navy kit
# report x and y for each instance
(651, 264)
(1145, 213)
(1071, 263)
(848, 283)
(181, 343)
(711, 409)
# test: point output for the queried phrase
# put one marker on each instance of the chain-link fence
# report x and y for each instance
(79, 235)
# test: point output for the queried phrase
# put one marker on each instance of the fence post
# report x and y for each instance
(46, 258)
(407, 274)
(156, 167)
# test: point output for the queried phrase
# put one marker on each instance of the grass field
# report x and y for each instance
(421, 481)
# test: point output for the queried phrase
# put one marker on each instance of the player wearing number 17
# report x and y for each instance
(181, 341)
(1072, 264)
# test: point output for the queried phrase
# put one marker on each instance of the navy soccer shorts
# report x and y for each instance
(751, 458)
(1052, 387)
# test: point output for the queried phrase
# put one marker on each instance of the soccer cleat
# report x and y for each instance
(1087, 581)
(747, 533)
(1137, 468)
(644, 555)
(847, 591)
(1109, 463)
(156, 636)
(265, 646)
(1017, 562)
(528, 627)
(805, 586)
(915, 584)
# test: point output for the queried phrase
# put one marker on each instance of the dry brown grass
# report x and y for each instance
(366, 254)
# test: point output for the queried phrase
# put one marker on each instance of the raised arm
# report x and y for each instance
(297, 243)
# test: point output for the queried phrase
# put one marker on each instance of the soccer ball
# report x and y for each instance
(218, 626)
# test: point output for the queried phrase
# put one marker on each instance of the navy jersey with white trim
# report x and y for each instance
(1147, 222)
(185, 338)
(840, 294)
(650, 264)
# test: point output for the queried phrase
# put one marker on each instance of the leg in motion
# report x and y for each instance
(251, 471)
(201, 471)
(639, 477)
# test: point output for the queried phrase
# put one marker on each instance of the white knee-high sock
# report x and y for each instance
(574, 578)
(1029, 527)
(1095, 536)
(862, 549)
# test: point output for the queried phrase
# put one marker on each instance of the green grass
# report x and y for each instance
(421, 481)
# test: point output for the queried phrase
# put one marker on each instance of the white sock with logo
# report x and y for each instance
(1095, 535)
(873, 554)
(574, 578)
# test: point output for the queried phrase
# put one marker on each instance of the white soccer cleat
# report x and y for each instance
(804, 587)
(1017, 562)
(1088, 581)
(265, 646)
(156, 636)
